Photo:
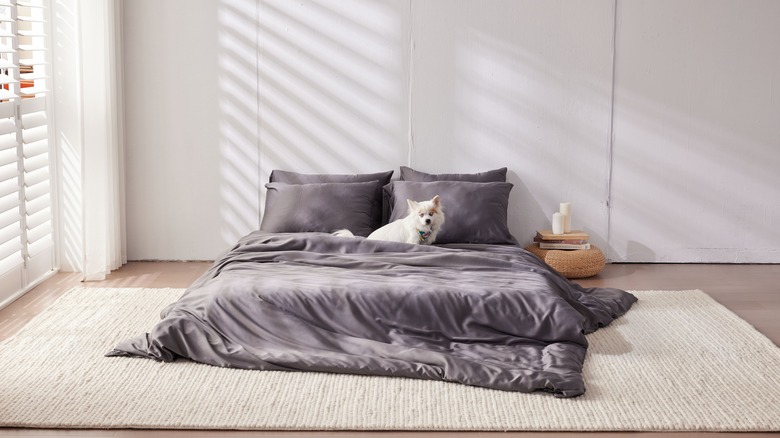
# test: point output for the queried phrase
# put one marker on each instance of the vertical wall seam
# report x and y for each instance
(258, 108)
(610, 133)
(410, 133)
(80, 112)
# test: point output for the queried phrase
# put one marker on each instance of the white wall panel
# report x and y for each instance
(334, 86)
(521, 84)
(191, 114)
(697, 132)
(219, 96)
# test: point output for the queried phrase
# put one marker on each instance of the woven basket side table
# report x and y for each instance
(579, 263)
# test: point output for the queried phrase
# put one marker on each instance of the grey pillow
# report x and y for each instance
(474, 212)
(496, 175)
(288, 177)
(325, 207)
(382, 178)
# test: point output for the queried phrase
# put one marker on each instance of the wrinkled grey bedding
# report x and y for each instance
(493, 316)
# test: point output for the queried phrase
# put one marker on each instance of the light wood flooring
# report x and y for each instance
(750, 291)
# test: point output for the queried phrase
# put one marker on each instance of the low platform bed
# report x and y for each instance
(476, 313)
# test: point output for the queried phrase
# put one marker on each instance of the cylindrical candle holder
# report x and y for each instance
(565, 210)
(557, 223)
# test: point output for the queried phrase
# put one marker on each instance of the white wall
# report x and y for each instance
(519, 84)
(218, 97)
(697, 132)
(68, 133)
(334, 86)
(191, 126)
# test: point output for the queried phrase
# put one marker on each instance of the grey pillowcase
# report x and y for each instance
(383, 178)
(495, 175)
(288, 177)
(474, 212)
(325, 207)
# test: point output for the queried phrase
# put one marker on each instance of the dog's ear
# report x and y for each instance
(436, 201)
(413, 206)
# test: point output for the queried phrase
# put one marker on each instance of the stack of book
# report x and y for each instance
(576, 239)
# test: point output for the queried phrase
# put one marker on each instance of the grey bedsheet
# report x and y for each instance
(485, 315)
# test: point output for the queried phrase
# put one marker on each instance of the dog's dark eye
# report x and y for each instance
(422, 214)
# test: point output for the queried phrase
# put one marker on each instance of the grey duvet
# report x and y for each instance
(493, 316)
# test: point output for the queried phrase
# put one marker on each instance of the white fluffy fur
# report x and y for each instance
(420, 226)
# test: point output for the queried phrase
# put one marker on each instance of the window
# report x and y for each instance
(26, 230)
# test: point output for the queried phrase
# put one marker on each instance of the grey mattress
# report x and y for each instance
(493, 316)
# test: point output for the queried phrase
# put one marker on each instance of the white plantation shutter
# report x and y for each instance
(26, 215)
(37, 199)
(10, 212)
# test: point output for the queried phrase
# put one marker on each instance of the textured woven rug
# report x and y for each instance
(677, 361)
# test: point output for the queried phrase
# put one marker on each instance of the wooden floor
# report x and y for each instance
(750, 291)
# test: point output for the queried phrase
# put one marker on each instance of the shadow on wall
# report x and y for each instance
(696, 133)
(238, 110)
(638, 251)
(70, 223)
(544, 118)
(333, 86)
(699, 187)
(498, 107)
(523, 208)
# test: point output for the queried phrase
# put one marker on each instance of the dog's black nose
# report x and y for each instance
(427, 221)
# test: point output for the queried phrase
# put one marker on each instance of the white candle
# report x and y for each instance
(557, 223)
(565, 211)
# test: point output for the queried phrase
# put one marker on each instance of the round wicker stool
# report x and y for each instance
(577, 263)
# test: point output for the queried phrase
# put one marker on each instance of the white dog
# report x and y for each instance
(420, 226)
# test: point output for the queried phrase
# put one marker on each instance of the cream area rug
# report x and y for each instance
(677, 361)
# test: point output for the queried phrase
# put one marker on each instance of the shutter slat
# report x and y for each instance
(9, 202)
(32, 33)
(9, 171)
(39, 246)
(35, 134)
(37, 191)
(31, 48)
(30, 106)
(33, 76)
(30, 19)
(8, 156)
(7, 126)
(6, 95)
(8, 141)
(12, 231)
(9, 249)
(39, 232)
(35, 163)
(32, 179)
(35, 149)
(29, 4)
(8, 186)
(28, 91)
(28, 62)
(5, 79)
(9, 217)
(7, 109)
(35, 205)
(39, 218)
(34, 120)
